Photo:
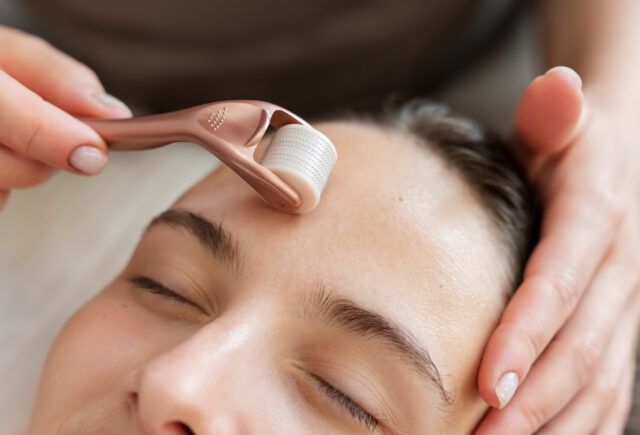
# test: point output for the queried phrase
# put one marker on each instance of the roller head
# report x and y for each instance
(303, 158)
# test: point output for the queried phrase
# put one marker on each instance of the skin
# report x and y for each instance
(413, 245)
(580, 379)
(571, 333)
(41, 88)
(591, 223)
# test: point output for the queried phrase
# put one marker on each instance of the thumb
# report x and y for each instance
(550, 113)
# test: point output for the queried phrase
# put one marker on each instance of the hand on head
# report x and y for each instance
(567, 338)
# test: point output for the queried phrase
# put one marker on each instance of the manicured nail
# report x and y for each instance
(109, 100)
(89, 160)
(568, 72)
(506, 387)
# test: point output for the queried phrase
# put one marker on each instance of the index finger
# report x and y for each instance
(56, 76)
(577, 235)
(35, 128)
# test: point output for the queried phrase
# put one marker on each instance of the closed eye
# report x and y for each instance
(157, 288)
(343, 400)
(346, 402)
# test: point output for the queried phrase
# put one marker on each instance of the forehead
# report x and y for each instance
(386, 192)
(394, 223)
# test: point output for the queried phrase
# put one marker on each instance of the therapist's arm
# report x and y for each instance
(570, 332)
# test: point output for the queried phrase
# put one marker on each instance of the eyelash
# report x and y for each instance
(155, 287)
(347, 403)
(332, 392)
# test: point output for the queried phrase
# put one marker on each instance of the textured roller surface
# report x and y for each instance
(304, 158)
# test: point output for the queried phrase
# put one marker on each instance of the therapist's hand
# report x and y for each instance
(567, 339)
(40, 88)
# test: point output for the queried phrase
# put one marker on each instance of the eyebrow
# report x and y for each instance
(321, 303)
(213, 237)
(346, 314)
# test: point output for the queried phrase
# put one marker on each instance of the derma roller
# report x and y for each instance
(289, 173)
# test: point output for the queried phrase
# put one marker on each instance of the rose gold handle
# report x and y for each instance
(144, 132)
(228, 129)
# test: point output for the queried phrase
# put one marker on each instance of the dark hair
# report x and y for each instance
(485, 162)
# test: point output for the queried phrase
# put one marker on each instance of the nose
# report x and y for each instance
(202, 386)
(162, 412)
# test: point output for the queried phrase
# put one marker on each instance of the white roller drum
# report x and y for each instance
(304, 158)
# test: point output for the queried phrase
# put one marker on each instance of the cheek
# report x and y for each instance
(96, 354)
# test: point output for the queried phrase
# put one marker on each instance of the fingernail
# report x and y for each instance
(506, 387)
(568, 72)
(89, 160)
(108, 100)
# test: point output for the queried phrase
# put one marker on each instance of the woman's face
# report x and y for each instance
(367, 315)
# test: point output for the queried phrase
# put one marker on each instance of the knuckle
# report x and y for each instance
(31, 43)
(67, 68)
(616, 208)
(611, 204)
(586, 354)
(624, 405)
(87, 71)
(6, 33)
(628, 250)
(86, 75)
(535, 416)
(34, 129)
(11, 35)
(34, 43)
(534, 341)
(606, 388)
(564, 289)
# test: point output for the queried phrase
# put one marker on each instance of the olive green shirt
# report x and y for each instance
(308, 55)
